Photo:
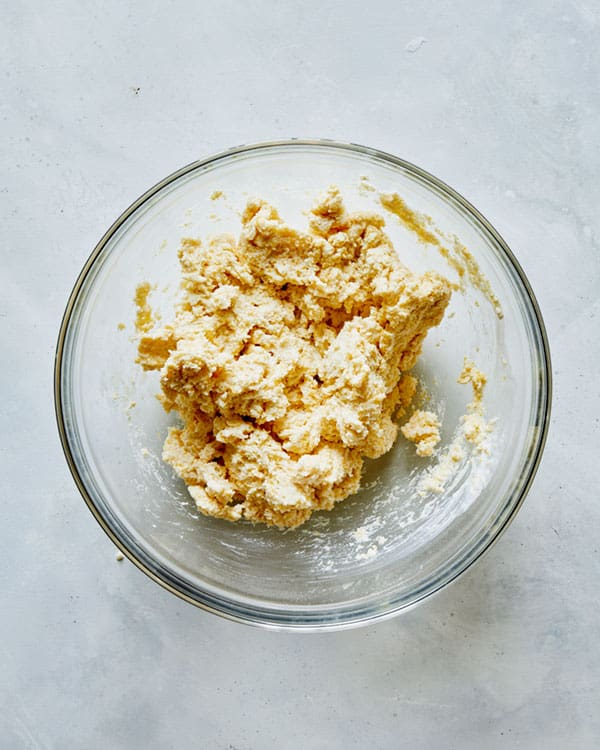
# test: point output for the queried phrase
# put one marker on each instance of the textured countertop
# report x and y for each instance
(100, 101)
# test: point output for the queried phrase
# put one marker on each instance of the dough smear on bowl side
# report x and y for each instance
(288, 360)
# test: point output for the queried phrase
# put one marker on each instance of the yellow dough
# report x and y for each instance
(288, 359)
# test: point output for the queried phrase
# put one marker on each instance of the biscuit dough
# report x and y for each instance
(288, 359)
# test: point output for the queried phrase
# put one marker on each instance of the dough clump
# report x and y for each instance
(288, 360)
(423, 429)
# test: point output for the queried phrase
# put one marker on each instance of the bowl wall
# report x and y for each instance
(384, 548)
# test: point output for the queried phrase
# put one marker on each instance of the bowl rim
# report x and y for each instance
(220, 606)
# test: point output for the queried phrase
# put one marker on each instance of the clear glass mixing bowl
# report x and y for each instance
(383, 549)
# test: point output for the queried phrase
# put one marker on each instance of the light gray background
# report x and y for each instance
(101, 100)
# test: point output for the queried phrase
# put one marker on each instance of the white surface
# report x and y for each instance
(101, 100)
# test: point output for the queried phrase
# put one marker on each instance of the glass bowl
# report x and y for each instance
(387, 547)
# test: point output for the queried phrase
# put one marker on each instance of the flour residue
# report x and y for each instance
(473, 428)
(367, 547)
(415, 44)
(361, 534)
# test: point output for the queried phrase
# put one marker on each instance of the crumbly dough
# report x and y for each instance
(288, 359)
(423, 429)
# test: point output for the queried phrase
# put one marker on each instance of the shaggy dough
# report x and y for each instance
(288, 359)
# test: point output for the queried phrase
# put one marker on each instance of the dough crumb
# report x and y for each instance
(423, 429)
(121, 326)
(365, 186)
(216, 195)
(472, 374)
(119, 557)
(288, 358)
(144, 319)
(475, 427)
(369, 554)
(360, 534)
